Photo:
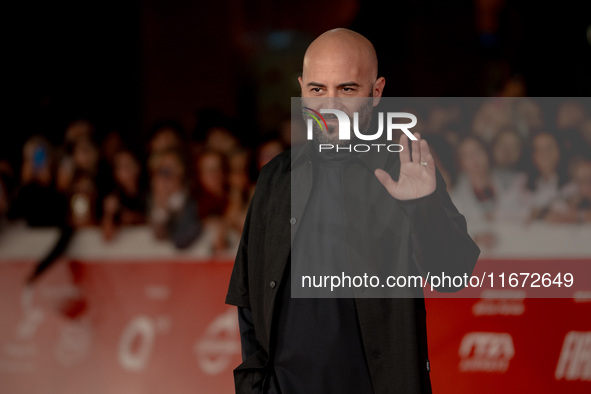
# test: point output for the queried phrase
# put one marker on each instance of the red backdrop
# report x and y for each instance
(151, 327)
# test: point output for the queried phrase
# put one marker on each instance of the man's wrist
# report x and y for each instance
(417, 200)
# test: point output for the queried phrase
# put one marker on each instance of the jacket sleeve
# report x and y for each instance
(250, 373)
(238, 292)
(439, 235)
(248, 340)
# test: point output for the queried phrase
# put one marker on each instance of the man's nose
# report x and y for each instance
(333, 101)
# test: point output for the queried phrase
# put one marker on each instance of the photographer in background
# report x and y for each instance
(37, 201)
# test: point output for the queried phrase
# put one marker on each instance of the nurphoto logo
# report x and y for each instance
(316, 119)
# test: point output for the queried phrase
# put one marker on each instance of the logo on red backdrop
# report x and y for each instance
(574, 362)
(486, 352)
(74, 337)
(500, 303)
(219, 344)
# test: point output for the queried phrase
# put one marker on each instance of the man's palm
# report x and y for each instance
(417, 173)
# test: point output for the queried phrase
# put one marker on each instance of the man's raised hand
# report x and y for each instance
(417, 171)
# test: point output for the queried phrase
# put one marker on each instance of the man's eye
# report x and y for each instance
(348, 90)
(316, 90)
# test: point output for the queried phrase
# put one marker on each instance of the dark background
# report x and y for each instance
(124, 65)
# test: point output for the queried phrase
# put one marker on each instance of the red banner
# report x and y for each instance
(152, 327)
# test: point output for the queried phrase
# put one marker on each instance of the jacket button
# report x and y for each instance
(292, 221)
(272, 284)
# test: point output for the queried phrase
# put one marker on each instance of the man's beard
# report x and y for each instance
(331, 136)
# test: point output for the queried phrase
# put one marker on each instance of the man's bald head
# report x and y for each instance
(343, 44)
(342, 62)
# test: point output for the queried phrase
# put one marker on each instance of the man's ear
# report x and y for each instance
(301, 81)
(378, 89)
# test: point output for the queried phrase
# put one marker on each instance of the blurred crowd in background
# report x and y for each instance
(512, 160)
(174, 184)
(88, 146)
(515, 160)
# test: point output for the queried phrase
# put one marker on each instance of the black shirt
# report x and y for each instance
(318, 346)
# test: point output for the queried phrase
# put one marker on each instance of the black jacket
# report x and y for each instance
(429, 235)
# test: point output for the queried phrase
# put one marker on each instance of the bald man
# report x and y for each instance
(341, 345)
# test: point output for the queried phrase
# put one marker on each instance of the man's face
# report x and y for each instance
(342, 79)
